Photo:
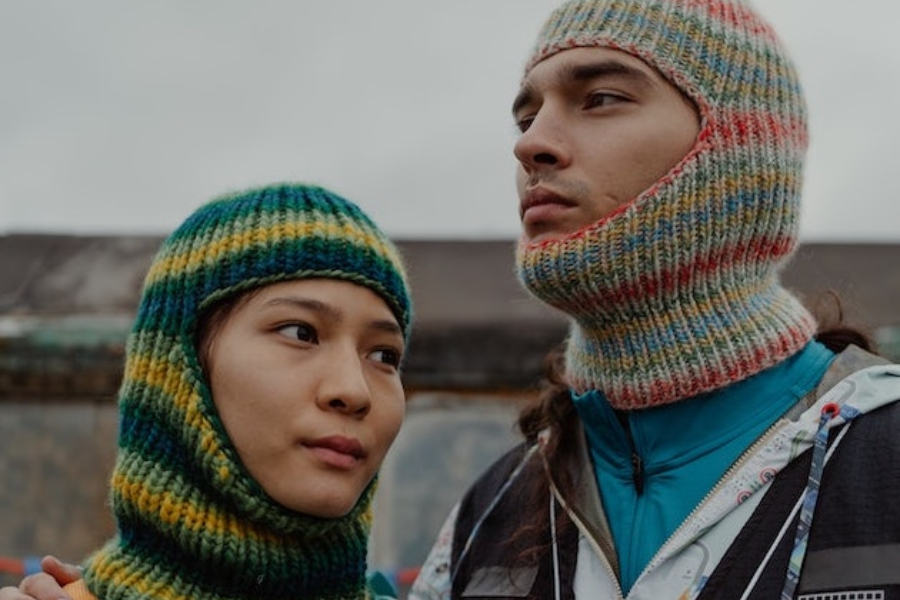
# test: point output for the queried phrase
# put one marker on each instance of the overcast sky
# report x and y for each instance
(122, 117)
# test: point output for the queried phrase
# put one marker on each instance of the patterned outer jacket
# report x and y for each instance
(737, 543)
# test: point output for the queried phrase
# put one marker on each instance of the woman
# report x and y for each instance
(260, 395)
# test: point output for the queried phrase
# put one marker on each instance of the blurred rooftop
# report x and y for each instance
(66, 304)
(73, 297)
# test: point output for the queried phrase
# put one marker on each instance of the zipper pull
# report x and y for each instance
(637, 472)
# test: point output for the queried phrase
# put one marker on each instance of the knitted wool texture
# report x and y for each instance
(677, 293)
(192, 523)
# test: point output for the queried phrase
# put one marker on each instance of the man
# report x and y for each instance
(683, 449)
(701, 439)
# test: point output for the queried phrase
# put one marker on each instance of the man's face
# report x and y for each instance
(599, 127)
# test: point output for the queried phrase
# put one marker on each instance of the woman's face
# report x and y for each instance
(304, 375)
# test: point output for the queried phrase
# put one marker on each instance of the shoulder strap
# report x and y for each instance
(501, 540)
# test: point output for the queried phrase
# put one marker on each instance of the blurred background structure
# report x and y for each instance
(118, 118)
(66, 304)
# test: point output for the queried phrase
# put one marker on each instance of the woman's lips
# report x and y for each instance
(337, 451)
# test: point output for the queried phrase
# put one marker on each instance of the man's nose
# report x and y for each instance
(542, 145)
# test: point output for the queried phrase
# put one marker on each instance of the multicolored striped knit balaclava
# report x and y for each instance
(679, 293)
(192, 523)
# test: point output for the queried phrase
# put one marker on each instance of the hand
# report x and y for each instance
(46, 585)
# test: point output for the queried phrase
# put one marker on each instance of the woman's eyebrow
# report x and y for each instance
(308, 304)
(386, 326)
(335, 314)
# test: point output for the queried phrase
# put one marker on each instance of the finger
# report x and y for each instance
(41, 586)
(11, 593)
(62, 572)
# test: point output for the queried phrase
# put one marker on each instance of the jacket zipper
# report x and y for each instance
(637, 463)
(637, 466)
(734, 468)
(738, 464)
(595, 544)
(637, 472)
(583, 529)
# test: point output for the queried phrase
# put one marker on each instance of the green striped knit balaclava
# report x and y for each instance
(678, 293)
(192, 523)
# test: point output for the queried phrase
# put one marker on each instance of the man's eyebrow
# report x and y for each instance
(522, 98)
(581, 72)
(606, 68)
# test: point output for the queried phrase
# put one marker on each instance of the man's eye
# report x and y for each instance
(598, 99)
(388, 356)
(524, 123)
(300, 331)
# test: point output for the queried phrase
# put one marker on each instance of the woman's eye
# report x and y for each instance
(300, 331)
(388, 356)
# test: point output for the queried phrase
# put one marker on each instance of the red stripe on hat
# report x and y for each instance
(735, 15)
(741, 129)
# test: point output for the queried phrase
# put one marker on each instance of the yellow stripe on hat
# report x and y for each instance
(158, 373)
(175, 511)
(119, 574)
(195, 257)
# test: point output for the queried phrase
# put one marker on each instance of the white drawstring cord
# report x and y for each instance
(556, 577)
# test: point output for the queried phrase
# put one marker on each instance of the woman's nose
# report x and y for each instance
(344, 387)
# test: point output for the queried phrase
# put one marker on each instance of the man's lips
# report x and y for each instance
(536, 198)
(337, 451)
